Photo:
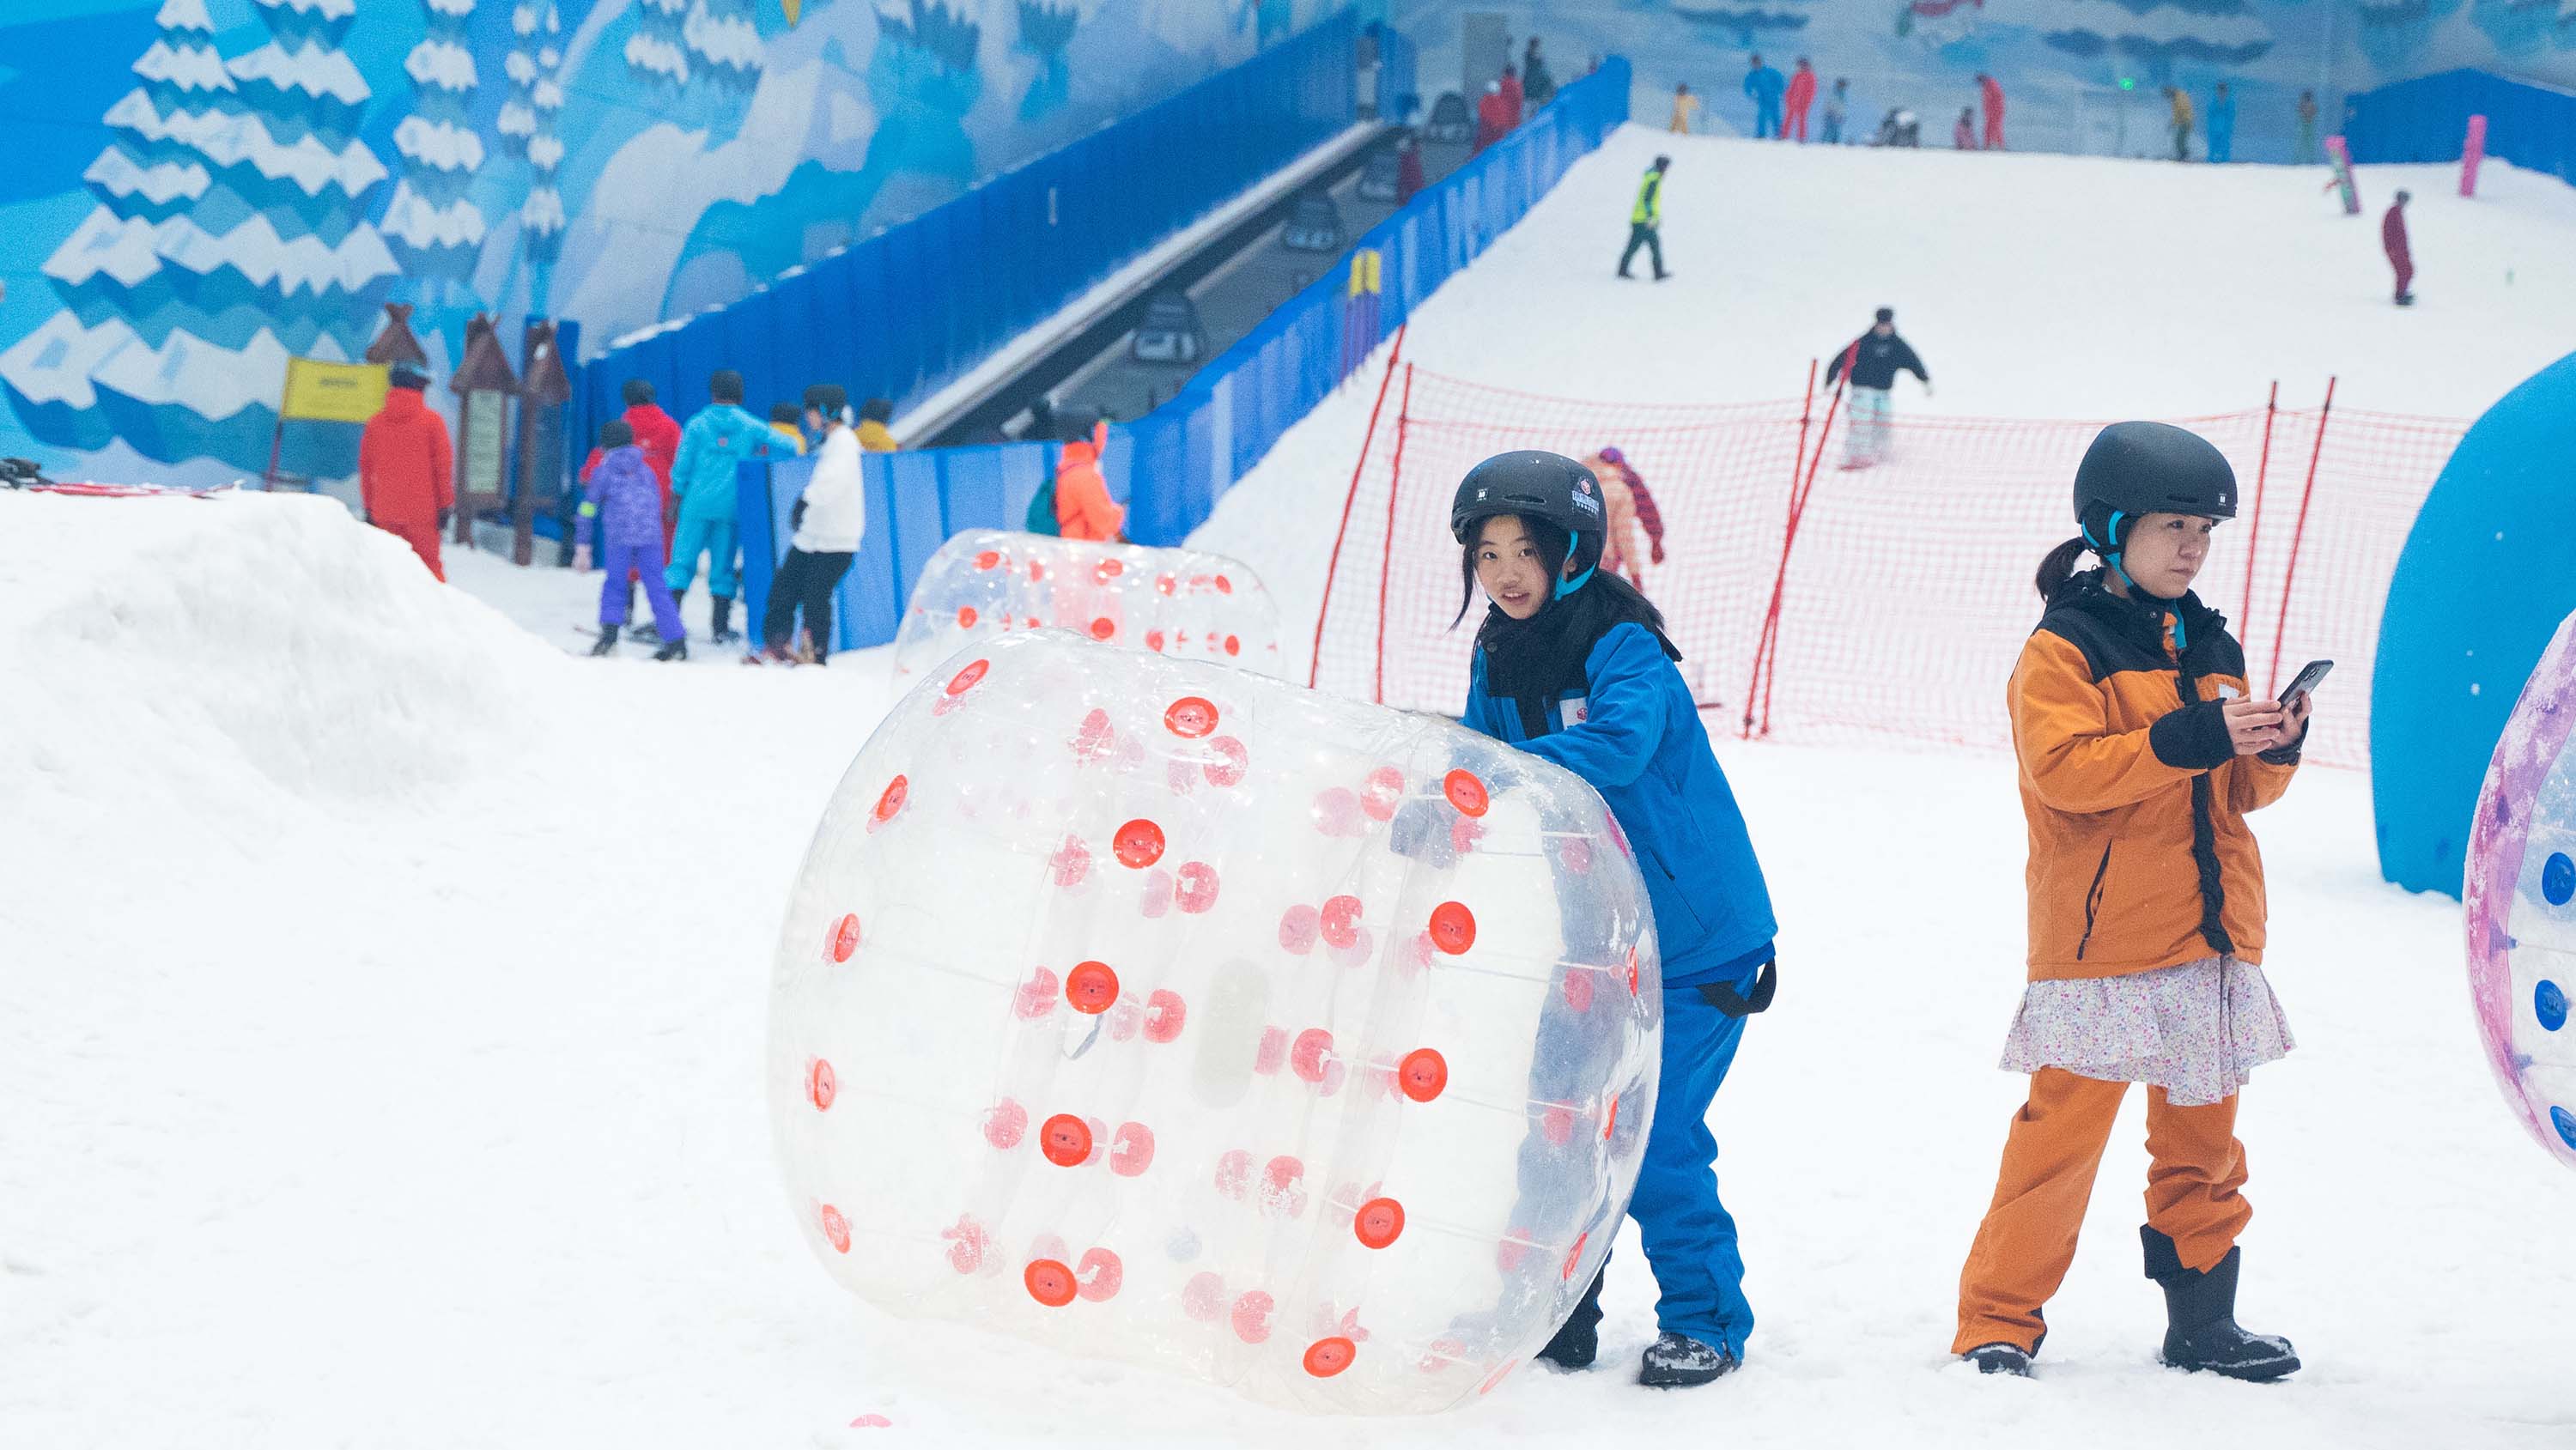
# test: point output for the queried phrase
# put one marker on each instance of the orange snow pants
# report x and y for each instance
(422, 535)
(2028, 1238)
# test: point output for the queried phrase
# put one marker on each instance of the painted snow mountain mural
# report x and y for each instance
(206, 188)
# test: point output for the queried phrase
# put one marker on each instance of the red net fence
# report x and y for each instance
(1817, 601)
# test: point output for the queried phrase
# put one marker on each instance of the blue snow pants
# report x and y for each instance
(645, 562)
(1766, 119)
(713, 537)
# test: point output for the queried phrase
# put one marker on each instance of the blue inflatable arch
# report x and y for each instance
(2488, 572)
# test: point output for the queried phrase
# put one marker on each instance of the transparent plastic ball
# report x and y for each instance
(991, 584)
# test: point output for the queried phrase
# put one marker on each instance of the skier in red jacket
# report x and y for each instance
(1493, 116)
(658, 434)
(1991, 92)
(1802, 94)
(406, 469)
(2392, 240)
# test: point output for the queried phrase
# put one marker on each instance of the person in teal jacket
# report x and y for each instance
(719, 439)
(1572, 665)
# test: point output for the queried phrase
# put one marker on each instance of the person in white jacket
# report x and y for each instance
(830, 519)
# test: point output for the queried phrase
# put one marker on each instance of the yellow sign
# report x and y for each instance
(329, 392)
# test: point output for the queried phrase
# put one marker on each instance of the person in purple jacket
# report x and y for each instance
(625, 493)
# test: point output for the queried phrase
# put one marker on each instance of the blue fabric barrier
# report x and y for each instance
(1172, 465)
(905, 311)
(2426, 119)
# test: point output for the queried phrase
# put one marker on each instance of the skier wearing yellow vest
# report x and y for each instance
(1646, 219)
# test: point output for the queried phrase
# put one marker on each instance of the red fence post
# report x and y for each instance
(2299, 531)
(1324, 609)
(1757, 689)
(1386, 555)
(2254, 544)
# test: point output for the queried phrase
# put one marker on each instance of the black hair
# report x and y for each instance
(786, 413)
(1884, 314)
(877, 410)
(636, 392)
(1628, 607)
(725, 386)
(2059, 566)
(827, 399)
(615, 433)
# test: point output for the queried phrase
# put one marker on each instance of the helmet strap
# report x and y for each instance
(1573, 546)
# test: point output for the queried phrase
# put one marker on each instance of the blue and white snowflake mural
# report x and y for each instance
(204, 188)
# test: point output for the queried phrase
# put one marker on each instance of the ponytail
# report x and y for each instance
(2059, 566)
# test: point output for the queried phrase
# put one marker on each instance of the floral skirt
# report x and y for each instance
(2196, 1030)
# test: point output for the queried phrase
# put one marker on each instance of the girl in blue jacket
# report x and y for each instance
(1572, 666)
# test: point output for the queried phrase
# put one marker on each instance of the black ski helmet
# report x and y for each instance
(1533, 484)
(2134, 469)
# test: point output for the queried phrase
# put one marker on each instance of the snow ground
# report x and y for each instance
(382, 988)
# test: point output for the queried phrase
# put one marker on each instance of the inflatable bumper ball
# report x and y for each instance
(1163, 1012)
(1179, 602)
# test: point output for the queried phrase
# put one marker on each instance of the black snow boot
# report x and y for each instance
(677, 649)
(1676, 1361)
(2200, 1312)
(607, 644)
(1578, 1340)
(720, 615)
(2000, 1358)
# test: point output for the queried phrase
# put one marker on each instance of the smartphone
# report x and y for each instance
(2309, 678)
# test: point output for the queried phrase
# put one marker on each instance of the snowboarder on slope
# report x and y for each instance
(1764, 85)
(2392, 240)
(1874, 359)
(1646, 219)
(623, 491)
(2141, 756)
(407, 468)
(1572, 665)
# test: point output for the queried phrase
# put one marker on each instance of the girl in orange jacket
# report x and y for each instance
(2141, 753)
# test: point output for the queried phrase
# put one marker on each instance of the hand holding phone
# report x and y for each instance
(2309, 678)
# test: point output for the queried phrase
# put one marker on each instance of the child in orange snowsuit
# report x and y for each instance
(2141, 756)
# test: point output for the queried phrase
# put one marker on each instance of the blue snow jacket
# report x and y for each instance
(720, 438)
(1764, 86)
(1636, 737)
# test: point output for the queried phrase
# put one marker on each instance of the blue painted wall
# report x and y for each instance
(2453, 658)
(198, 188)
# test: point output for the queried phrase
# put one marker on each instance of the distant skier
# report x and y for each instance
(874, 435)
(657, 435)
(1764, 85)
(407, 468)
(1493, 116)
(2307, 128)
(1408, 168)
(1083, 507)
(718, 441)
(1874, 359)
(1629, 508)
(2181, 122)
(1515, 98)
(1646, 220)
(1899, 128)
(622, 492)
(786, 420)
(829, 520)
(2222, 125)
(1963, 136)
(1538, 85)
(1685, 108)
(1990, 92)
(1801, 95)
(2392, 240)
(1836, 107)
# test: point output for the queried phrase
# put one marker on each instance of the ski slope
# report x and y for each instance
(382, 985)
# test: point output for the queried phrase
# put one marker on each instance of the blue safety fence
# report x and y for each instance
(911, 308)
(1172, 465)
(2426, 119)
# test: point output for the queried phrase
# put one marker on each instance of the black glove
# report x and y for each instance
(796, 515)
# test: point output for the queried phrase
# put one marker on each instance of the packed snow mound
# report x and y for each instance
(1157, 1010)
(221, 653)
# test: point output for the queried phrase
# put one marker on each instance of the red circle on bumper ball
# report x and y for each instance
(1165, 1013)
(1465, 792)
(1139, 844)
(1326, 1358)
(1050, 1283)
(1341, 921)
(836, 1229)
(1422, 1074)
(1190, 717)
(1379, 1222)
(1092, 988)
(845, 938)
(966, 616)
(1453, 928)
(965, 679)
(1100, 1277)
(1103, 628)
(1252, 1317)
(1005, 1123)
(987, 559)
(1132, 1151)
(891, 802)
(1065, 1140)
(820, 1086)
(1197, 887)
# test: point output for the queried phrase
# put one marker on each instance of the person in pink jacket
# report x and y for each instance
(1802, 94)
(1619, 527)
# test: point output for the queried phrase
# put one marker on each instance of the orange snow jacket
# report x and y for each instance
(2139, 853)
(406, 467)
(1083, 507)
